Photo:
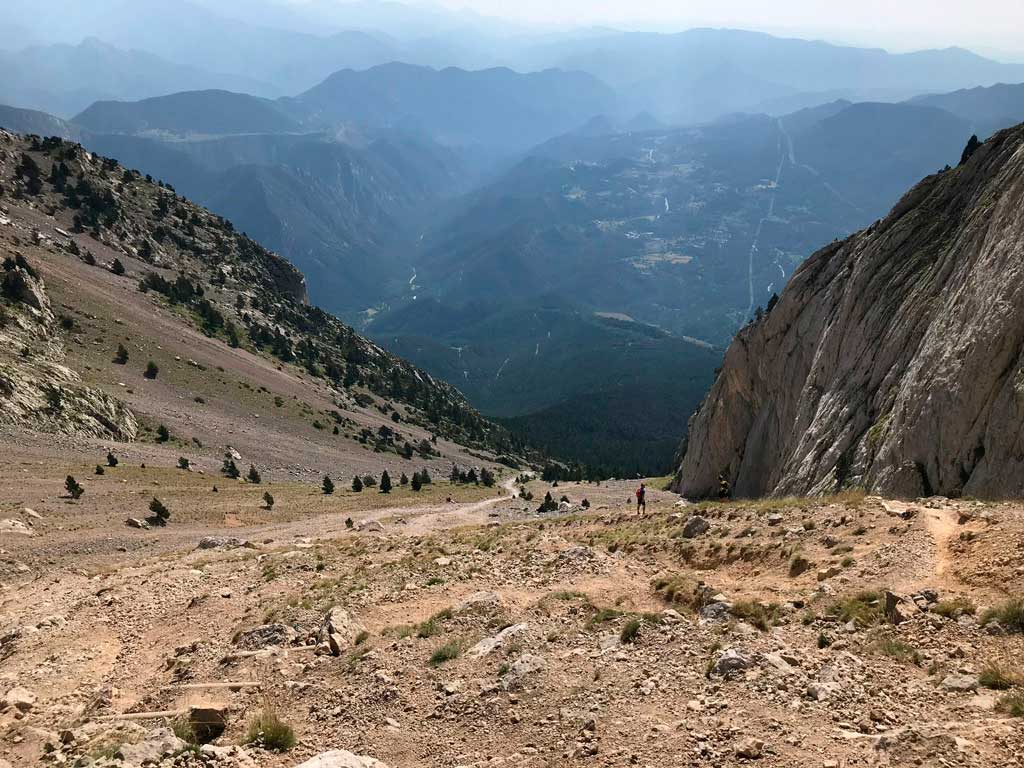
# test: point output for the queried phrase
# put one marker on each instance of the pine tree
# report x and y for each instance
(404, 479)
(357, 484)
(122, 355)
(268, 500)
(454, 476)
(425, 477)
(416, 482)
(152, 369)
(160, 512)
(111, 459)
(328, 485)
(487, 477)
(230, 469)
(254, 475)
(162, 434)
(385, 482)
(73, 487)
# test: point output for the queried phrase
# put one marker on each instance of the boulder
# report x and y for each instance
(525, 666)
(371, 526)
(750, 749)
(265, 636)
(479, 601)
(695, 526)
(134, 522)
(491, 644)
(21, 699)
(960, 683)
(730, 662)
(340, 758)
(221, 542)
(339, 630)
(17, 527)
(158, 743)
(898, 609)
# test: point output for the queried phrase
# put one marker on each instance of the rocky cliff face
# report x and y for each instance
(36, 388)
(892, 361)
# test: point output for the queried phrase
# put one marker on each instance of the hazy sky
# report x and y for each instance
(898, 24)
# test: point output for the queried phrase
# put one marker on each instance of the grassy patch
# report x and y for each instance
(760, 615)
(1000, 677)
(631, 631)
(864, 608)
(1011, 704)
(269, 730)
(952, 609)
(1010, 615)
(898, 650)
(445, 653)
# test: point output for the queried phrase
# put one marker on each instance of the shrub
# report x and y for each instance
(357, 484)
(161, 513)
(417, 484)
(162, 434)
(117, 267)
(327, 485)
(111, 460)
(863, 608)
(756, 614)
(152, 369)
(121, 356)
(898, 650)
(999, 677)
(184, 463)
(1010, 615)
(73, 487)
(630, 632)
(1011, 704)
(385, 482)
(404, 479)
(230, 469)
(444, 653)
(99, 469)
(268, 500)
(254, 476)
(348, 523)
(270, 731)
(369, 481)
(952, 609)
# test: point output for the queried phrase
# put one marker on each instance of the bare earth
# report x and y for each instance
(100, 620)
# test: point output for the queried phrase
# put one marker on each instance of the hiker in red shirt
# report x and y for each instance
(641, 499)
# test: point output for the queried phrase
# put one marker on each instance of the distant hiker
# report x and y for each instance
(641, 499)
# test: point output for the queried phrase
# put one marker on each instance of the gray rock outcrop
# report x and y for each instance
(893, 361)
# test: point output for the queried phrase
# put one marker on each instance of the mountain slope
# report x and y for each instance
(892, 360)
(193, 268)
(987, 109)
(192, 112)
(496, 108)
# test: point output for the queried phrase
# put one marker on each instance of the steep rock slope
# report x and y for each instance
(893, 360)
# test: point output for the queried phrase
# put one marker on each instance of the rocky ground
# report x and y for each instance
(840, 632)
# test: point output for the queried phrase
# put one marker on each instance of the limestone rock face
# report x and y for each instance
(892, 360)
(36, 389)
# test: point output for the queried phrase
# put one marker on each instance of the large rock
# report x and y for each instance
(491, 644)
(892, 360)
(18, 698)
(340, 758)
(158, 743)
(731, 662)
(340, 629)
(265, 636)
(695, 526)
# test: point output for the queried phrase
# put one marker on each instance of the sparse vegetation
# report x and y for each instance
(955, 608)
(1011, 704)
(268, 730)
(152, 370)
(73, 487)
(445, 653)
(898, 650)
(1000, 677)
(630, 631)
(1009, 615)
(863, 608)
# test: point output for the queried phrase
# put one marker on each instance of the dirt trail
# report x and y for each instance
(941, 525)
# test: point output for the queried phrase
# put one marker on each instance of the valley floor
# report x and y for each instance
(480, 633)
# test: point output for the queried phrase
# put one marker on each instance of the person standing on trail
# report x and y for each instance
(641, 499)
